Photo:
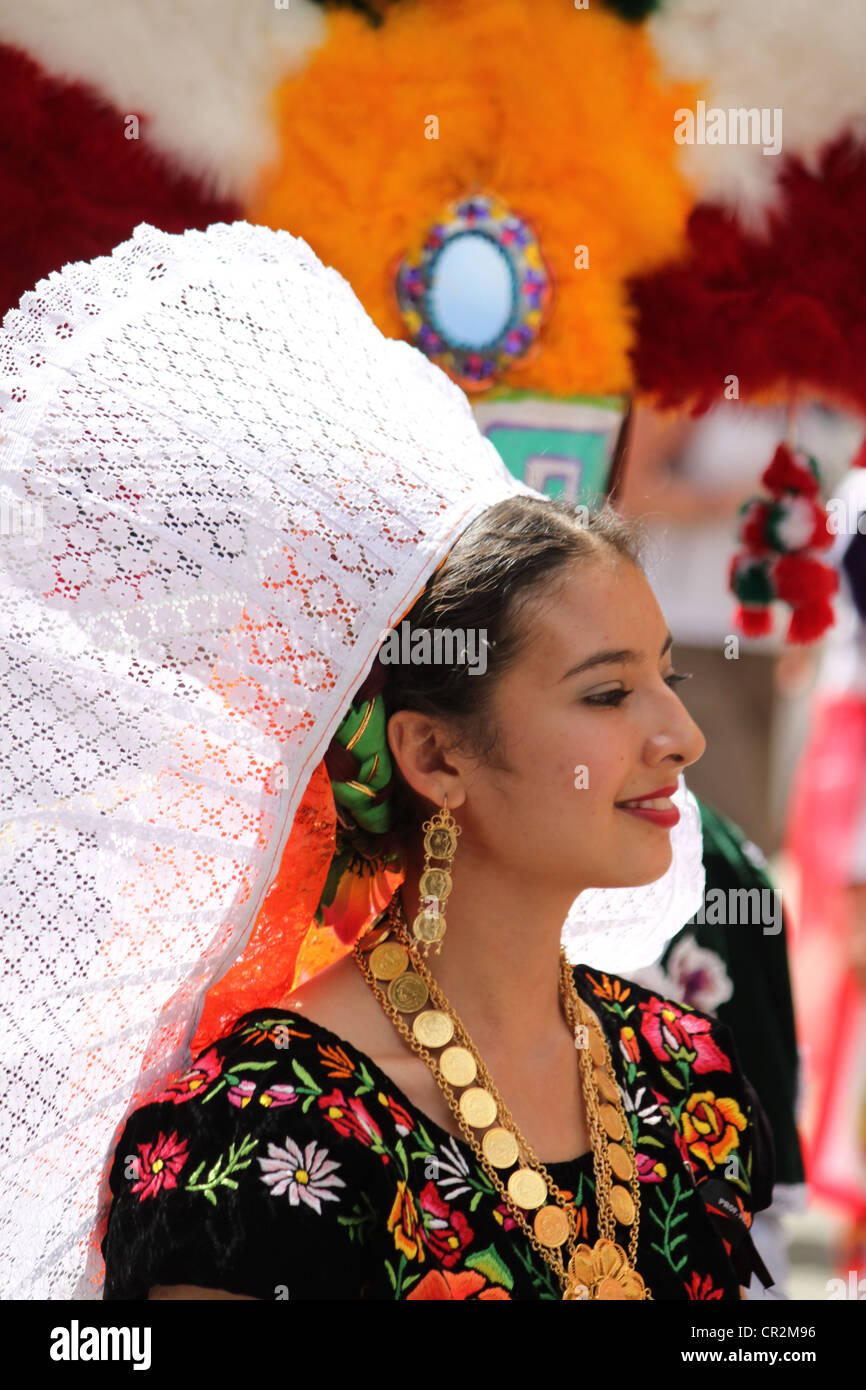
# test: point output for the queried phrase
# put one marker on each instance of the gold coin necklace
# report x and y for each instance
(406, 991)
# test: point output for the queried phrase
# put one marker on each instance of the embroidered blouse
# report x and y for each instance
(285, 1164)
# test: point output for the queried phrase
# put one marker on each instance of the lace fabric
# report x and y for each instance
(626, 929)
(224, 484)
(233, 484)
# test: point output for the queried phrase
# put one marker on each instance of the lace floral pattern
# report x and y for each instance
(235, 484)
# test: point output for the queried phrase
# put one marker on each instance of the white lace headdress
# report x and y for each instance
(219, 483)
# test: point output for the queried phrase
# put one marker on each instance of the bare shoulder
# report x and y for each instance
(340, 999)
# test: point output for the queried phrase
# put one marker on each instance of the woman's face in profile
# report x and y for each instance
(576, 743)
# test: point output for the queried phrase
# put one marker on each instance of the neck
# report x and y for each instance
(499, 961)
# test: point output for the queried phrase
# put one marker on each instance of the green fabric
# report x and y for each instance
(760, 1013)
(752, 583)
(375, 769)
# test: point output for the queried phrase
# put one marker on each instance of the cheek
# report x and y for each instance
(598, 763)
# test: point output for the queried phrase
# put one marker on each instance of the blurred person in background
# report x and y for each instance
(827, 845)
(687, 478)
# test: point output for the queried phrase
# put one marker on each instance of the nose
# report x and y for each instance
(679, 741)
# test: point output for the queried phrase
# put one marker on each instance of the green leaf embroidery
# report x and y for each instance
(306, 1078)
(421, 1153)
(366, 1078)
(401, 1154)
(668, 1076)
(425, 1138)
(542, 1278)
(391, 1275)
(652, 1141)
(672, 1216)
(265, 1025)
(220, 1174)
(362, 1219)
(489, 1263)
(401, 1271)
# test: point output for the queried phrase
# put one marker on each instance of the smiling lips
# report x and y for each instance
(656, 808)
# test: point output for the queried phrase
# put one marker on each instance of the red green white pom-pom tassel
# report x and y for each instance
(778, 535)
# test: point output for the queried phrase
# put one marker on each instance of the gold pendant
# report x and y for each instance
(602, 1272)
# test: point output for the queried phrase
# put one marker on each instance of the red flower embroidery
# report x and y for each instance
(442, 1285)
(402, 1119)
(671, 1033)
(159, 1165)
(683, 1148)
(702, 1288)
(207, 1068)
(350, 1118)
(446, 1231)
(503, 1215)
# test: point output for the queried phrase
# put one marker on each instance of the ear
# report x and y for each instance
(427, 764)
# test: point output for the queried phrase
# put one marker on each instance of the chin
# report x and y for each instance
(655, 868)
(634, 876)
(633, 871)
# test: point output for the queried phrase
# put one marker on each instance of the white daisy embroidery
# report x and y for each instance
(452, 1170)
(306, 1176)
(650, 1113)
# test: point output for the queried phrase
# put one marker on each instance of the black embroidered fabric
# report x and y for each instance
(285, 1164)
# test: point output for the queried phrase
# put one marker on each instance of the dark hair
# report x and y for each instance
(505, 557)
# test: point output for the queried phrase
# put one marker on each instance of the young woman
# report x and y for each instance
(480, 1121)
(231, 485)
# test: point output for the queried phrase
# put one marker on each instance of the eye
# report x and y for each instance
(675, 677)
(610, 698)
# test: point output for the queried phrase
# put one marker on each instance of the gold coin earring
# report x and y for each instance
(440, 842)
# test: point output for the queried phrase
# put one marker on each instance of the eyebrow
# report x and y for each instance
(610, 658)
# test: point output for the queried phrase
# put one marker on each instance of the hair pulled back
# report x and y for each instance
(511, 553)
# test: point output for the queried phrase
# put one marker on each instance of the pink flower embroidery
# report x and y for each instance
(304, 1176)
(241, 1093)
(650, 1169)
(159, 1165)
(673, 1034)
(279, 1094)
(207, 1068)
(503, 1215)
